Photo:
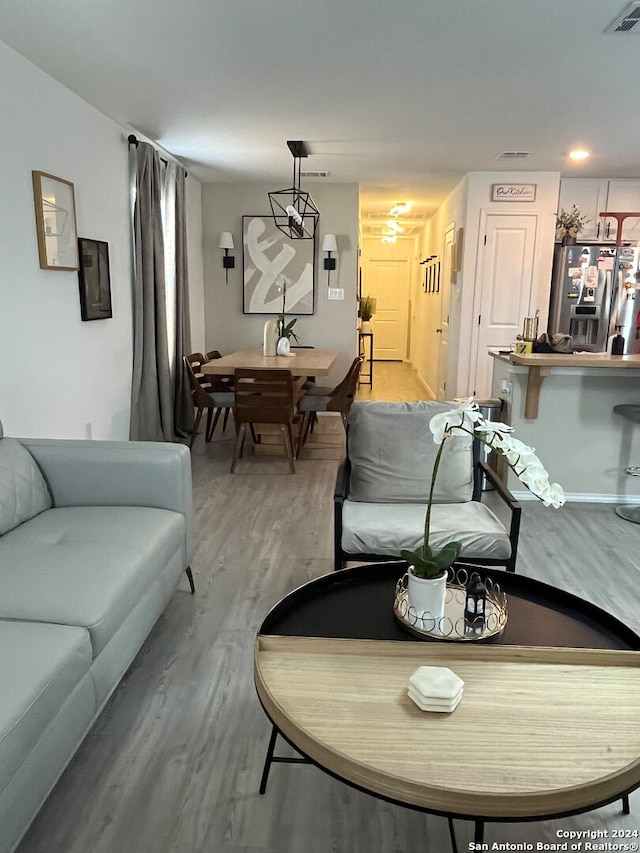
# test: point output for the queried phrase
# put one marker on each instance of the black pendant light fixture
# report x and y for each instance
(294, 212)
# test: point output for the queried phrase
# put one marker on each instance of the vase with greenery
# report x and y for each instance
(285, 329)
(521, 459)
(570, 224)
(366, 310)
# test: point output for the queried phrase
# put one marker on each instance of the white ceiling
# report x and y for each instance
(401, 97)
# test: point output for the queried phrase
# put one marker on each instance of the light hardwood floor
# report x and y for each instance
(173, 764)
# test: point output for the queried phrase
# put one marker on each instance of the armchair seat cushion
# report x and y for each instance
(387, 528)
(87, 566)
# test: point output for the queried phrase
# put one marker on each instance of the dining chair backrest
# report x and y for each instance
(222, 382)
(343, 394)
(263, 396)
(198, 382)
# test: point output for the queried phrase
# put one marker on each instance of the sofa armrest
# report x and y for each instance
(115, 473)
(339, 496)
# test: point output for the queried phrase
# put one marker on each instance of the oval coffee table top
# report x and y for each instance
(542, 729)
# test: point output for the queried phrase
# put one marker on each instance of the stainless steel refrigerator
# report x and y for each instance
(593, 289)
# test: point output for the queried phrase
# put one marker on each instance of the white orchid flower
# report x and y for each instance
(516, 452)
(535, 478)
(521, 458)
(554, 496)
(463, 417)
(490, 430)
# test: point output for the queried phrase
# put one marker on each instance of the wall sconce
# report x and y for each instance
(329, 245)
(228, 262)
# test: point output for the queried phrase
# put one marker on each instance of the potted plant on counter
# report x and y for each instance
(427, 574)
(570, 225)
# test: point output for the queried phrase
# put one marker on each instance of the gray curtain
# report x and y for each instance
(161, 409)
(183, 406)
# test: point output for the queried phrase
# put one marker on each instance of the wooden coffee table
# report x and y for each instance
(547, 726)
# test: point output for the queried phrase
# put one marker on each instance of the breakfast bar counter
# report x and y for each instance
(541, 365)
(562, 404)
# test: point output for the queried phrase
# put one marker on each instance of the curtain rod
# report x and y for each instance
(132, 139)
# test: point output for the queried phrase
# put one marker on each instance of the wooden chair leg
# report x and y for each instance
(207, 432)
(237, 450)
(345, 420)
(304, 431)
(212, 427)
(195, 427)
(288, 443)
(226, 418)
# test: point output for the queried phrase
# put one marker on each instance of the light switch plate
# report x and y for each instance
(336, 293)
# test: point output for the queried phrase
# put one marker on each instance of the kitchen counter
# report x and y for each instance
(563, 406)
(542, 365)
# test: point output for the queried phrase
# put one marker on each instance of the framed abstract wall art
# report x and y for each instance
(94, 279)
(55, 222)
(270, 258)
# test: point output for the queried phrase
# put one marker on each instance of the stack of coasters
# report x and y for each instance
(435, 688)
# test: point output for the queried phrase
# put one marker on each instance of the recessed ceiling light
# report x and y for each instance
(579, 154)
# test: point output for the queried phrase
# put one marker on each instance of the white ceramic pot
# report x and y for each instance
(427, 597)
(283, 346)
(365, 326)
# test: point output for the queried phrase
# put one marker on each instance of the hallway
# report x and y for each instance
(393, 381)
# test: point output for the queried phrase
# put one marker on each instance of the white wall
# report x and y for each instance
(62, 377)
(426, 306)
(334, 323)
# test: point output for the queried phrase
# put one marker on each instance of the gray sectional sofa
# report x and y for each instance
(94, 538)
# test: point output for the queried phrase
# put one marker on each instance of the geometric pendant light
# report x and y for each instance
(294, 212)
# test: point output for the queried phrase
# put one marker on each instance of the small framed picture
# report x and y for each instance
(94, 279)
(55, 222)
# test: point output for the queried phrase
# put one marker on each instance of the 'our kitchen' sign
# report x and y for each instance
(513, 192)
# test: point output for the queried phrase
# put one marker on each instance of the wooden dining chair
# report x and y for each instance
(222, 381)
(206, 393)
(264, 397)
(321, 399)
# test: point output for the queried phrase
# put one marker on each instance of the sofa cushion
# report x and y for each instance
(23, 491)
(385, 529)
(39, 668)
(86, 566)
(392, 454)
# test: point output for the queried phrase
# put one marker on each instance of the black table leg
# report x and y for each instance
(268, 760)
(478, 834)
(626, 809)
(452, 835)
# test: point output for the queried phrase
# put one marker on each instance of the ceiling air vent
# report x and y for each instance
(514, 155)
(318, 174)
(627, 21)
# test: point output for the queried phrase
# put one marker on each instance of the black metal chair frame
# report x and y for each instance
(480, 471)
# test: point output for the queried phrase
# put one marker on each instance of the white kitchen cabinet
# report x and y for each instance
(624, 196)
(589, 196)
(594, 195)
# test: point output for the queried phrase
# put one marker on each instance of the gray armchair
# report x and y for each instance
(382, 490)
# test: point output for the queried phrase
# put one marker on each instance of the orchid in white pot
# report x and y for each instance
(466, 419)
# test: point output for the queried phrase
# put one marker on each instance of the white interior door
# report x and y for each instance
(503, 298)
(387, 281)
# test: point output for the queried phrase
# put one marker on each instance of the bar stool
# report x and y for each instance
(631, 411)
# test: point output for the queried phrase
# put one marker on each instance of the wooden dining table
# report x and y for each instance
(305, 362)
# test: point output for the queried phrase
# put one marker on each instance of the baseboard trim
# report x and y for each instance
(581, 497)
